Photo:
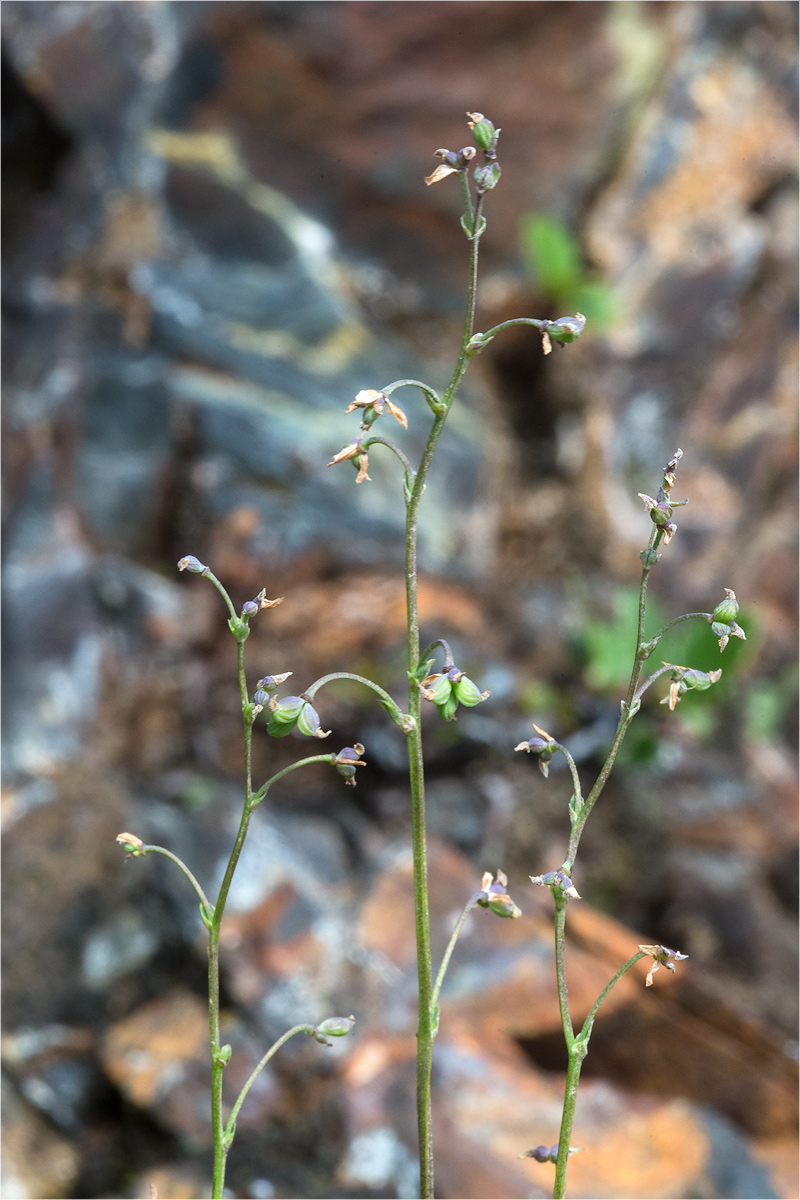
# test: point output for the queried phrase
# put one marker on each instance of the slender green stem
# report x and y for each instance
(514, 321)
(425, 1031)
(677, 620)
(586, 1029)
(430, 394)
(577, 1053)
(576, 783)
(230, 1128)
(228, 602)
(301, 762)
(217, 1064)
(318, 683)
(451, 945)
(663, 670)
(567, 1121)
(381, 441)
(449, 661)
(561, 969)
(144, 849)
(627, 715)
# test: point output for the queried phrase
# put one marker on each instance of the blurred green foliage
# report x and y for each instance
(606, 646)
(555, 262)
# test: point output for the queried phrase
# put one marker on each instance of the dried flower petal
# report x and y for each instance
(439, 173)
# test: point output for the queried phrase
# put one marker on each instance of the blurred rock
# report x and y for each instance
(37, 1162)
(159, 1059)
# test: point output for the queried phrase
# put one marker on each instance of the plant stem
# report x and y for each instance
(221, 1146)
(144, 849)
(301, 762)
(425, 1031)
(677, 621)
(625, 719)
(381, 441)
(230, 1128)
(589, 1022)
(318, 683)
(567, 1121)
(451, 945)
(561, 970)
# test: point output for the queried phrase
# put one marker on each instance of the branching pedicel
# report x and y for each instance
(446, 689)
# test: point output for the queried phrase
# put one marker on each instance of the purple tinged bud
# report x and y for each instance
(260, 697)
(190, 563)
(454, 674)
(566, 329)
(249, 607)
(541, 1153)
(487, 177)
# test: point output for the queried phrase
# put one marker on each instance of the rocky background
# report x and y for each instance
(216, 232)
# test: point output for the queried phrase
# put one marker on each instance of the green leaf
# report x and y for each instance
(552, 254)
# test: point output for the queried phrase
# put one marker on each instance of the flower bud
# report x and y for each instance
(131, 844)
(346, 762)
(542, 746)
(493, 895)
(270, 682)
(190, 563)
(487, 177)
(557, 881)
(260, 697)
(478, 342)
(336, 1026)
(249, 607)
(542, 1153)
(727, 609)
(566, 329)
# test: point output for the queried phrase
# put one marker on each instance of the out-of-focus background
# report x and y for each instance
(216, 231)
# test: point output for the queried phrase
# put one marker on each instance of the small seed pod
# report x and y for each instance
(190, 563)
(284, 715)
(483, 131)
(336, 1026)
(468, 693)
(727, 609)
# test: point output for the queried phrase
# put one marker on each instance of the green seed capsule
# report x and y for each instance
(467, 692)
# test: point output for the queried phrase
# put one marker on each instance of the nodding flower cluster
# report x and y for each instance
(485, 174)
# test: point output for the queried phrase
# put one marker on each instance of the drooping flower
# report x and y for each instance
(374, 404)
(543, 746)
(346, 762)
(557, 881)
(294, 712)
(493, 895)
(661, 957)
(358, 454)
(447, 689)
